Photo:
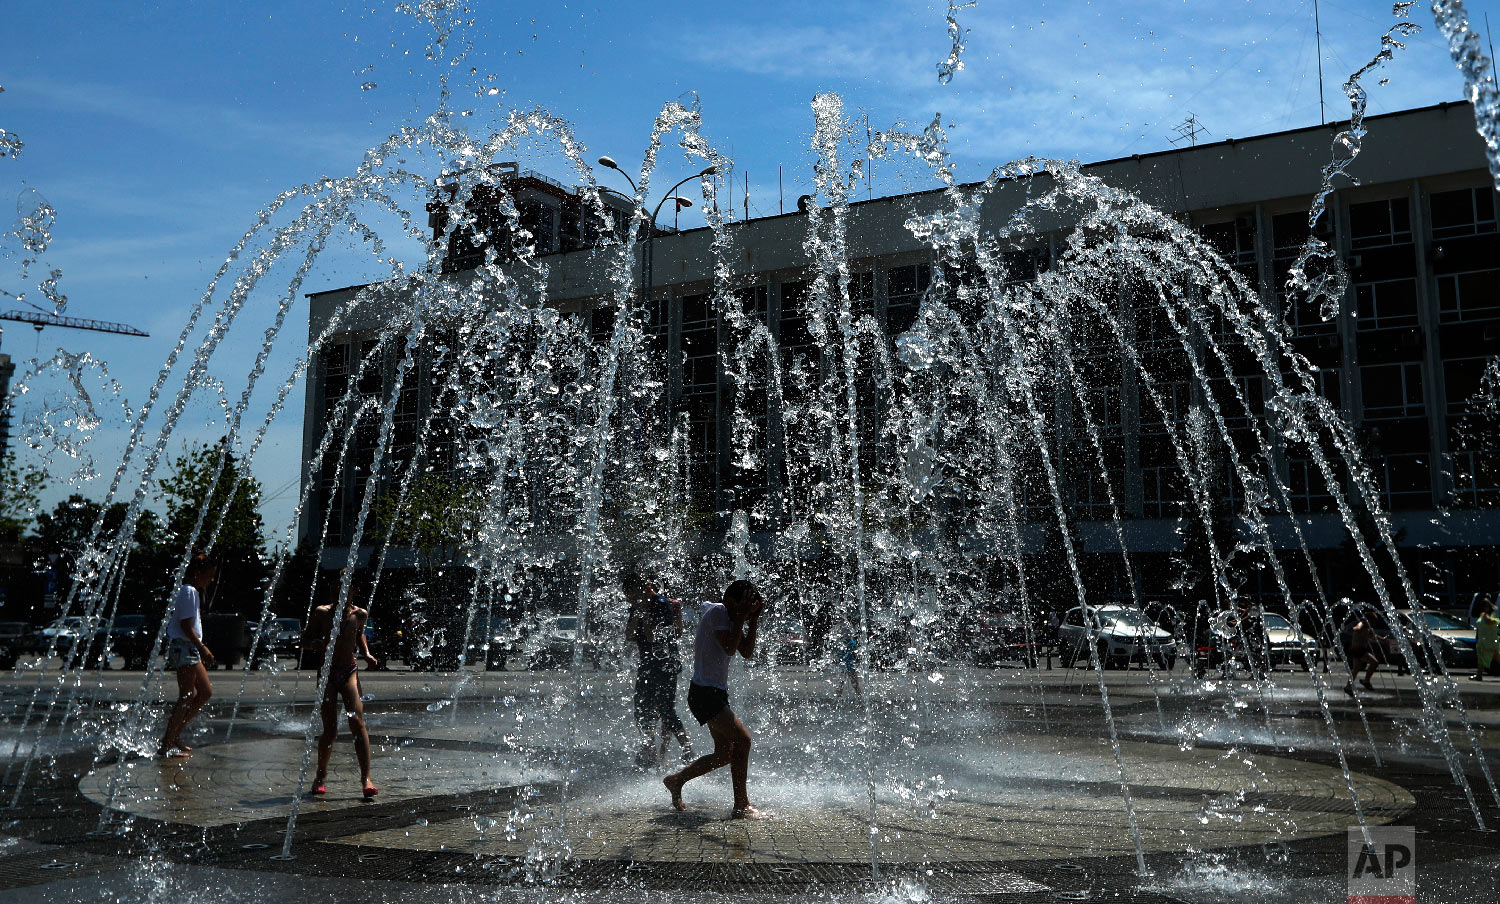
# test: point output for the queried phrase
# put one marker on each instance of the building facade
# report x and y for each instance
(1406, 361)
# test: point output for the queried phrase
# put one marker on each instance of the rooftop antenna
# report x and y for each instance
(780, 192)
(1489, 36)
(869, 159)
(747, 195)
(1189, 129)
(1318, 34)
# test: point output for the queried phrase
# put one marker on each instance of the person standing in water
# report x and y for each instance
(188, 655)
(343, 682)
(653, 625)
(849, 658)
(724, 628)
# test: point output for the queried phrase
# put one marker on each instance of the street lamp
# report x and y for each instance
(671, 195)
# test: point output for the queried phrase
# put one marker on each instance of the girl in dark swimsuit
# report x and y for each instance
(343, 686)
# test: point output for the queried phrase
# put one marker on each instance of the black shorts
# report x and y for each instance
(706, 702)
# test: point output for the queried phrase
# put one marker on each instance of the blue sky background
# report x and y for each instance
(158, 130)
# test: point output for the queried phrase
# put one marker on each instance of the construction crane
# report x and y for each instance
(41, 319)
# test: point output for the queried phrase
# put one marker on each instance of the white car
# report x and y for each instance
(552, 646)
(1286, 643)
(1118, 634)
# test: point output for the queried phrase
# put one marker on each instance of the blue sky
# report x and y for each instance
(158, 130)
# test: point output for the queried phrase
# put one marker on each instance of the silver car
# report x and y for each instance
(1287, 643)
(1120, 635)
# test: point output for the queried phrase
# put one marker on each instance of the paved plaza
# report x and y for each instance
(985, 783)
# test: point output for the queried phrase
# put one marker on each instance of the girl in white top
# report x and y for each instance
(188, 655)
(724, 629)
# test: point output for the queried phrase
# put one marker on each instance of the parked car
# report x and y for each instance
(130, 638)
(1453, 640)
(14, 639)
(14, 633)
(1118, 634)
(277, 637)
(60, 635)
(1286, 644)
(1002, 637)
(553, 643)
(783, 642)
(493, 640)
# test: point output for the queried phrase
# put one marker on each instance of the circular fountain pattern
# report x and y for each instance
(1025, 795)
(1032, 818)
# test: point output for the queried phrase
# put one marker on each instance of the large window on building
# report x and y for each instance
(1168, 409)
(1091, 493)
(1387, 304)
(1289, 233)
(1465, 212)
(1163, 491)
(1330, 385)
(1404, 480)
(1379, 224)
(700, 387)
(1307, 489)
(1235, 242)
(1391, 390)
(1462, 381)
(1476, 477)
(1241, 399)
(747, 460)
(540, 219)
(795, 337)
(1474, 295)
(904, 289)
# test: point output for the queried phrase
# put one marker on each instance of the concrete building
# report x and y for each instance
(1404, 361)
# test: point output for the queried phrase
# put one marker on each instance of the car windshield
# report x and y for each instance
(1437, 621)
(1128, 618)
(288, 624)
(1276, 621)
(566, 623)
(129, 621)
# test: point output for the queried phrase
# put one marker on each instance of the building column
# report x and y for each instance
(1434, 387)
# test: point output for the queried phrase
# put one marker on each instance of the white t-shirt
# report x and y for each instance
(186, 606)
(710, 662)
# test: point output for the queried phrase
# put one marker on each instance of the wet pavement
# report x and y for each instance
(986, 783)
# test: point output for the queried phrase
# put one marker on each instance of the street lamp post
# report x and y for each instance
(671, 195)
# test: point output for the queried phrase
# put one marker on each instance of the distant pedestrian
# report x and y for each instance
(1477, 603)
(724, 629)
(1487, 641)
(188, 655)
(849, 659)
(1360, 643)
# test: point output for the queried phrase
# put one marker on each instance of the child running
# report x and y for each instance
(724, 629)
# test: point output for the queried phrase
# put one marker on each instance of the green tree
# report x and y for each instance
(437, 520)
(20, 498)
(62, 535)
(231, 519)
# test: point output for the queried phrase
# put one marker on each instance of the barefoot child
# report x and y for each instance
(343, 684)
(724, 629)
